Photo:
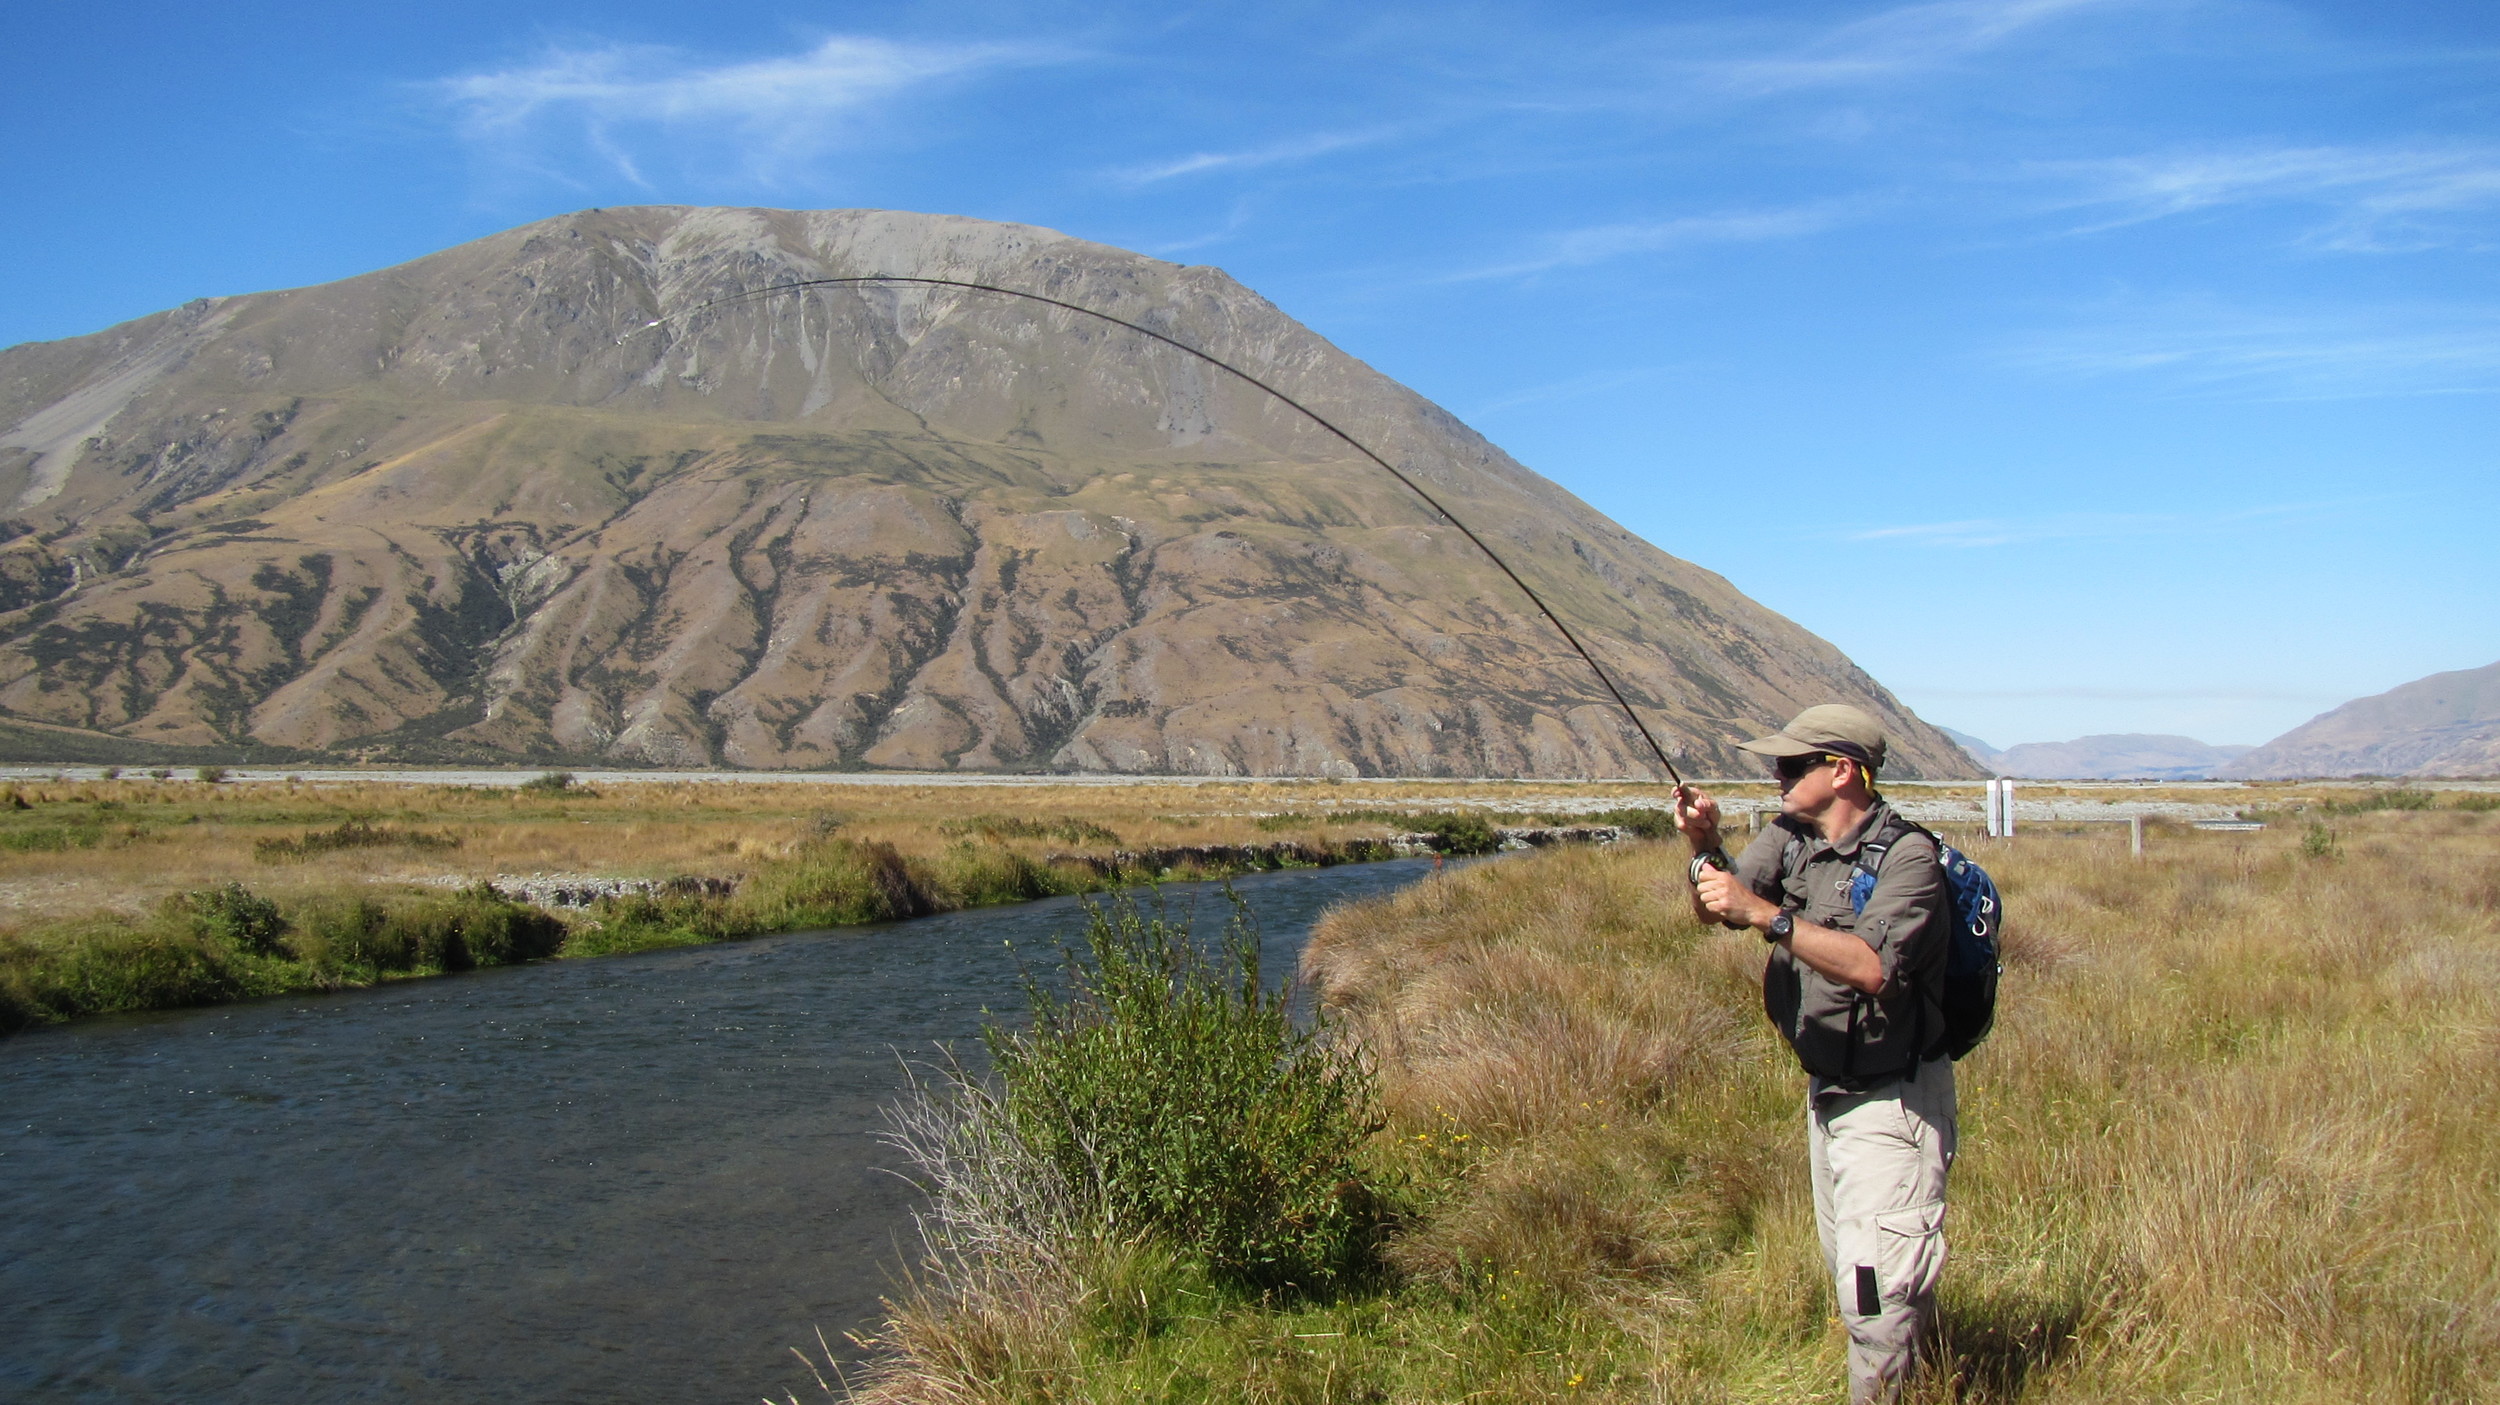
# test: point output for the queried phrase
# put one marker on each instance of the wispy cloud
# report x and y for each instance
(615, 100)
(2380, 198)
(1273, 154)
(2102, 693)
(1578, 248)
(2075, 526)
(1890, 44)
(1572, 389)
(2365, 353)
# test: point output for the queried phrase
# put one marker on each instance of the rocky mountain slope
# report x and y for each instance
(470, 508)
(2445, 725)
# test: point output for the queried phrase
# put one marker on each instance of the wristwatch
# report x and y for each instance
(1781, 929)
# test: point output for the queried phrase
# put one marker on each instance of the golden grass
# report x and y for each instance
(2236, 1138)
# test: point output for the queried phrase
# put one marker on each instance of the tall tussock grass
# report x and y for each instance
(2236, 1137)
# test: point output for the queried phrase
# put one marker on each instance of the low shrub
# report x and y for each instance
(640, 922)
(155, 966)
(1453, 832)
(835, 884)
(476, 927)
(555, 783)
(982, 875)
(50, 838)
(2398, 798)
(1176, 1101)
(232, 914)
(1015, 827)
(354, 834)
(1640, 823)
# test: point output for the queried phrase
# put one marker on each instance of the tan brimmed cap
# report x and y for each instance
(1834, 728)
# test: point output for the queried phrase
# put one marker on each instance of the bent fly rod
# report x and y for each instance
(758, 294)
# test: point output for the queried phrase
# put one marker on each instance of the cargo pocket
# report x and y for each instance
(1909, 1252)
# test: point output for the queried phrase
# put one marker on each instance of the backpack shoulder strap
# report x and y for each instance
(1871, 853)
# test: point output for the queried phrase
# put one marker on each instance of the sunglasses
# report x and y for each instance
(1795, 768)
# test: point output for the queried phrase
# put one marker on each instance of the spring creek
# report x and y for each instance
(635, 1179)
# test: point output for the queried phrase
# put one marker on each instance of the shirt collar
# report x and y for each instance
(1847, 845)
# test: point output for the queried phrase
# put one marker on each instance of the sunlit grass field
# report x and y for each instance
(2236, 1138)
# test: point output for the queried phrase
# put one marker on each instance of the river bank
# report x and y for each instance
(571, 1182)
(2230, 1140)
(156, 893)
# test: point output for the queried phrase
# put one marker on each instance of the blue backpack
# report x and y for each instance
(1969, 997)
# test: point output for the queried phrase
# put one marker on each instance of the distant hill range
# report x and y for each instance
(2117, 756)
(474, 509)
(2445, 725)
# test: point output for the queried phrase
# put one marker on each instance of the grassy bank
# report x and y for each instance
(125, 893)
(2236, 1138)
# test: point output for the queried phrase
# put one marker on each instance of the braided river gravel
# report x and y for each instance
(634, 1179)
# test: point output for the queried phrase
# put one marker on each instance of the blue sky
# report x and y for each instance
(2075, 365)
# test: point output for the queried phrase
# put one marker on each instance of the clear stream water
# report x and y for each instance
(637, 1179)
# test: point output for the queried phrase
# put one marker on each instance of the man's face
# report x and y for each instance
(1805, 784)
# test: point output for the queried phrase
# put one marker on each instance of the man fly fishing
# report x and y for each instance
(1855, 905)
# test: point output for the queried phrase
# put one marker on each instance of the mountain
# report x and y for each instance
(474, 508)
(2445, 725)
(2115, 757)
(1976, 749)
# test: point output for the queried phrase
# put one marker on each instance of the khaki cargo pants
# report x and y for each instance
(1880, 1159)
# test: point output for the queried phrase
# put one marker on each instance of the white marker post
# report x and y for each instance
(1990, 806)
(2007, 792)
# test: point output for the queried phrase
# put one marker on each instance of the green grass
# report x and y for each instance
(229, 943)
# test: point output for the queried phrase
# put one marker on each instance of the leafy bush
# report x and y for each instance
(211, 774)
(835, 884)
(2475, 802)
(342, 936)
(157, 966)
(1175, 1101)
(549, 783)
(641, 922)
(1643, 823)
(232, 914)
(975, 875)
(354, 834)
(1016, 827)
(477, 927)
(50, 838)
(1452, 833)
(2400, 798)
